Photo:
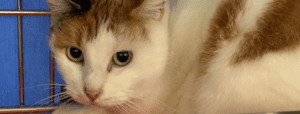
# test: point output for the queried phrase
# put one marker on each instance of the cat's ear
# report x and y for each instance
(59, 7)
(150, 10)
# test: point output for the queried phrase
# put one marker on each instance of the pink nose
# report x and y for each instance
(93, 95)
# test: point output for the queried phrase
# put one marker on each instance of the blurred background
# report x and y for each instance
(35, 62)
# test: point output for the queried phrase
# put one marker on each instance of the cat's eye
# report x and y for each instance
(122, 58)
(74, 54)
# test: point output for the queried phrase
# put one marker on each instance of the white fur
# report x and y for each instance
(252, 87)
(168, 81)
(72, 79)
(189, 23)
(97, 56)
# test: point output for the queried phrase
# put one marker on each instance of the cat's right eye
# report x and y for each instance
(122, 58)
(75, 54)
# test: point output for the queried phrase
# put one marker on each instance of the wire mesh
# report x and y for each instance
(17, 110)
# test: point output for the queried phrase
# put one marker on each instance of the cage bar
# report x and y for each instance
(48, 109)
(20, 110)
(51, 80)
(25, 13)
(21, 73)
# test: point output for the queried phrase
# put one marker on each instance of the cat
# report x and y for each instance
(201, 56)
(113, 54)
(95, 31)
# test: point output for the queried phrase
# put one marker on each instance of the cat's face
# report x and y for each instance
(111, 53)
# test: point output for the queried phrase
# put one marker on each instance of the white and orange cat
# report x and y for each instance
(183, 57)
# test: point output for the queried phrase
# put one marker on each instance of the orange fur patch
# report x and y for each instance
(221, 25)
(278, 30)
(73, 29)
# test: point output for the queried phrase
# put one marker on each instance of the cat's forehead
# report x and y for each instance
(115, 16)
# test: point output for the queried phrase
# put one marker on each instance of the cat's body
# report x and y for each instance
(206, 57)
(251, 60)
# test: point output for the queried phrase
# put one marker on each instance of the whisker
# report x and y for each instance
(51, 84)
(160, 104)
(124, 109)
(63, 97)
(45, 103)
(114, 97)
(130, 107)
(65, 102)
(164, 105)
(133, 105)
(47, 98)
(118, 107)
(72, 101)
(57, 100)
(30, 87)
(50, 88)
(66, 97)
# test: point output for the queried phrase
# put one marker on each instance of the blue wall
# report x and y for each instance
(36, 56)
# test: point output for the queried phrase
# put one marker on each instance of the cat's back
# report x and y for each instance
(251, 59)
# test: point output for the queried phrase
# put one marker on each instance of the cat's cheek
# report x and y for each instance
(72, 73)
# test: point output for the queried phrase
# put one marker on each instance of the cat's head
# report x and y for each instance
(111, 52)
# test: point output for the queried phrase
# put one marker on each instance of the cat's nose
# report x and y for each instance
(93, 95)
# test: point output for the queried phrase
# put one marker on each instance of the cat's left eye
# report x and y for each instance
(74, 54)
(122, 58)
